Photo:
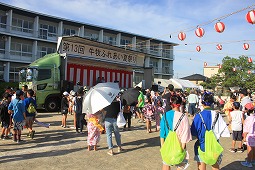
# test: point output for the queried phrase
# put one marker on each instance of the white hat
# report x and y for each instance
(72, 93)
(65, 93)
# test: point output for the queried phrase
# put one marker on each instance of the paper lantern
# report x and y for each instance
(219, 27)
(200, 32)
(219, 47)
(250, 17)
(249, 71)
(181, 36)
(205, 64)
(234, 69)
(250, 60)
(198, 48)
(246, 46)
(220, 66)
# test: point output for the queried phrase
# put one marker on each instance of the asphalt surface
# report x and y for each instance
(61, 148)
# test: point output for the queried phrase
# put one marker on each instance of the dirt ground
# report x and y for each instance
(60, 148)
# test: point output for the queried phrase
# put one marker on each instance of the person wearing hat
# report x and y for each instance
(5, 116)
(198, 129)
(236, 119)
(249, 136)
(64, 108)
(17, 109)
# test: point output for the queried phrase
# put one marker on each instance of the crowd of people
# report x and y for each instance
(169, 110)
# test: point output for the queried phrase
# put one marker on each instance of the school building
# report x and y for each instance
(26, 36)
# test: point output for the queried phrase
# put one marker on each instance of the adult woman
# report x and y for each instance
(198, 129)
(183, 130)
(111, 125)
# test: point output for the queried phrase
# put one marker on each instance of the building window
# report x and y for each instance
(3, 19)
(19, 49)
(2, 46)
(110, 40)
(42, 51)
(22, 25)
(166, 53)
(141, 46)
(154, 64)
(47, 31)
(1, 71)
(68, 31)
(166, 68)
(154, 49)
(92, 36)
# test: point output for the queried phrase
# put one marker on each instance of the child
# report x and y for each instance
(148, 111)
(127, 115)
(17, 109)
(236, 120)
(64, 108)
(228, 107)
(5, 116)
(183, 131)
(30, 117)
(159, 111)
(94, 129)
(249, 136)
(198, 130)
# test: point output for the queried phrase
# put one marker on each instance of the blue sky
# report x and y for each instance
(161, 18)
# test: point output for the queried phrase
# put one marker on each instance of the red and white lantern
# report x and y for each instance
(246, 46)
(250, 60)
(181, 36)
(219, 27)
(219, 47)
(198, 48)
(249, 71)
(250, 17)
(220, 66)
(205, 64)
(234, 69)
(200, 32)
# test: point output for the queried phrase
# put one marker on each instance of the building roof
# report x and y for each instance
(195, 77)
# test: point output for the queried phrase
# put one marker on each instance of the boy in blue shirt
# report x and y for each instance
(17, 109)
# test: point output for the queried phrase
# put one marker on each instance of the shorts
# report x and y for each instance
(237, 135)
(5, 124)
(198, 159)
(30, 120)
(18, 125)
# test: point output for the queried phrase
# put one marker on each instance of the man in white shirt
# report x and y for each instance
(193, 101)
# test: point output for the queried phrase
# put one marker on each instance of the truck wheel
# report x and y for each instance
(52, 105)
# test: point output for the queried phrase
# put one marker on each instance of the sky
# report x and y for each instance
(162, 18)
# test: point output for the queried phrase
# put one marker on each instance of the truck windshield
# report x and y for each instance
(27, 75)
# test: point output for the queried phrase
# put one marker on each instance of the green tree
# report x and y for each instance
(240, 76)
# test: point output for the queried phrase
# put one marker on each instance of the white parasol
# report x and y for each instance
(100, 96)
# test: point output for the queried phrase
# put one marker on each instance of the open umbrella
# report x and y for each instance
(100, 96)
(130, 96)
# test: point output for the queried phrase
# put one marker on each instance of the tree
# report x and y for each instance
(240, 76)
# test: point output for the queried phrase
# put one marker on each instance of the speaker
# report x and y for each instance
(154, 87)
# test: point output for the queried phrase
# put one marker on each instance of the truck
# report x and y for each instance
(46, 76)
(78, 60)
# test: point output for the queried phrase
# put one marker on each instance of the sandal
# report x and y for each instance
(120, 149)
(110, 153)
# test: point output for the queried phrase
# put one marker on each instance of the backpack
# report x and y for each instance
(78, 105)
(31, 108)
(171, 151)
(212, 147)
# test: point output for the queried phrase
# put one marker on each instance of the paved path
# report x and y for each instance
(59, 148)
